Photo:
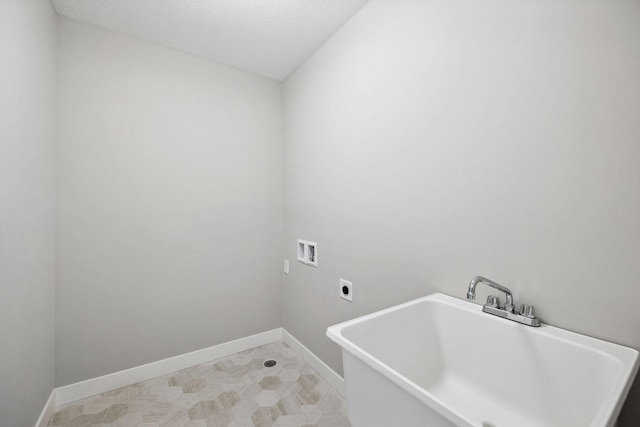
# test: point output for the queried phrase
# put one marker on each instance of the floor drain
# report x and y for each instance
(270, 363)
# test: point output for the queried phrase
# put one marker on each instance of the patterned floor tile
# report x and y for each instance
(236, 391)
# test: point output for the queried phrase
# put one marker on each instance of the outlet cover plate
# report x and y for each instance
(346, 290)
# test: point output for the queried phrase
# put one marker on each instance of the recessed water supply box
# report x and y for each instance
(308, 252)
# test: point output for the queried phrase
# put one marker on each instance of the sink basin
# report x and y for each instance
(441, 361)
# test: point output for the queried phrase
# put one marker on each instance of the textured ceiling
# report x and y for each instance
(268, 37)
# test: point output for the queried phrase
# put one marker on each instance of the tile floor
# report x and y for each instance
(236, 391)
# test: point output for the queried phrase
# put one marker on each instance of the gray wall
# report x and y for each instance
(27, 208)
(170, 203)
(431, 141)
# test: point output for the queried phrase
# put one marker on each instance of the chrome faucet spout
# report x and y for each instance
(524, 316)
(471, 292)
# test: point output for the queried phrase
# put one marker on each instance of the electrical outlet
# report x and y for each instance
(346, 290)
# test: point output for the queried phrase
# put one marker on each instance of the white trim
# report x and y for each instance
(93, 386)
(47, 411)
(331, 376)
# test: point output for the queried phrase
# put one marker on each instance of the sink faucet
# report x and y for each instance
(525, 316)
(471, 293)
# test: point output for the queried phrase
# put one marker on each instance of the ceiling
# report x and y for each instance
(268, 37)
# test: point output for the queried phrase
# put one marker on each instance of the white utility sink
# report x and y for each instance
(441, 361)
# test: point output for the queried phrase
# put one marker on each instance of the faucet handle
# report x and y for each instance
(527, 311)
(493, 301)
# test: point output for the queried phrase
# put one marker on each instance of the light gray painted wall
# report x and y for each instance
(431, 141)
(27, 208)
(170, 203)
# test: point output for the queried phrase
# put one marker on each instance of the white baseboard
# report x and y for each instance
(47, 411)
(93, 386)
(331, 376)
